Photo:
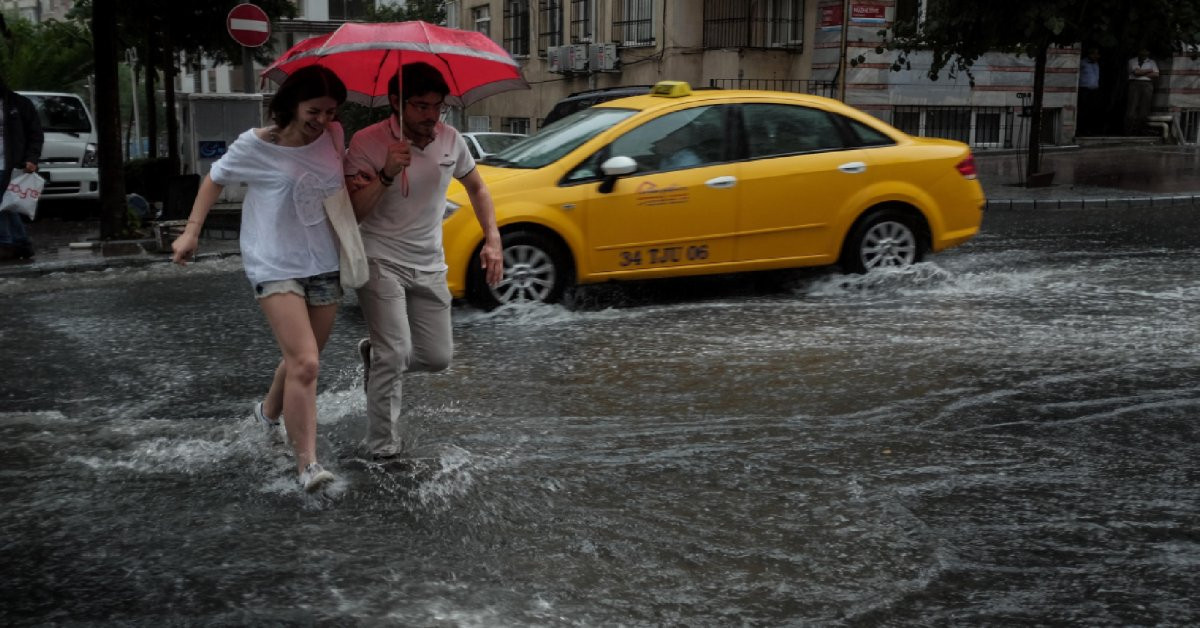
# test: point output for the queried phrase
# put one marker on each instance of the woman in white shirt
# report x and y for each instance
(288, 247)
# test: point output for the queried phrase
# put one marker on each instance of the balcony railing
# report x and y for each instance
(800, 86)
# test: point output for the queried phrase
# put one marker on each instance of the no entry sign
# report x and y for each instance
(249, 25)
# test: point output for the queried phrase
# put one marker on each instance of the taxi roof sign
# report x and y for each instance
(671, 89)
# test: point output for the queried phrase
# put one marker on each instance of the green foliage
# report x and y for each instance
(957, 32)
(52, 56)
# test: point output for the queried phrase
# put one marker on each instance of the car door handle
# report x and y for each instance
(853, 167)
(721, 182)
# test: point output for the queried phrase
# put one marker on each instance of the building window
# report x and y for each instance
(479, 124)
(550, 25)
(740, 24)
(1189, 122)
(633, 22)
(515, 125)
(908, 17)
(516, 27)
(481, 17)
(581, 22)
(348, 9)
(786, 21)
(452, 14)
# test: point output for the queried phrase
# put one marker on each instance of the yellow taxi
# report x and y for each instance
(692, 182)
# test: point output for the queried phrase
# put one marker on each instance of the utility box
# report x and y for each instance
(209, 124)
(603, 57)
(577, 58)
(554, 59)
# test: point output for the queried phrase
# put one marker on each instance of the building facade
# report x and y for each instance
(566, 46)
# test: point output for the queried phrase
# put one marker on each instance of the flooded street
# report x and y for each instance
(1006, 434)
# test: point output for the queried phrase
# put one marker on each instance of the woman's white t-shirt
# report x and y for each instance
(285, 234)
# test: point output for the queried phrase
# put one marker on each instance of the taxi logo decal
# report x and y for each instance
(650, 194)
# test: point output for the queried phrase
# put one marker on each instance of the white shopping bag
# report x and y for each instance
(22, 193)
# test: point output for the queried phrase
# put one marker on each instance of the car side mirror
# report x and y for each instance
(615, 168)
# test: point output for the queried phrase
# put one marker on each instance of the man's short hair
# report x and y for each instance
(419, 78)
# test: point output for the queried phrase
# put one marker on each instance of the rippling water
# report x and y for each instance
(1006, 434)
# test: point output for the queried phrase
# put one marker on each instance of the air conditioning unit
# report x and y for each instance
(603, 57)
(554, 59)
(577, 58)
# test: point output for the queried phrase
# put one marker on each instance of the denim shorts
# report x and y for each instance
(325, 289)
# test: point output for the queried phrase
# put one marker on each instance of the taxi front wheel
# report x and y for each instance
(535, 271)
(885, 238)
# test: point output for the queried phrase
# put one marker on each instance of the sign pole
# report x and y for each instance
(248, 72)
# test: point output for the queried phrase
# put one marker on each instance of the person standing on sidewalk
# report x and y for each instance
(1089, 93)
(1142, 72)
(288, 247)
(399, 170)
(21, 140)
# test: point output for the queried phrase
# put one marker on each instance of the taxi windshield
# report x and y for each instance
(557, 139)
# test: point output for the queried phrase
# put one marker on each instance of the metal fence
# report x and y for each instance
(800, 86)
(1189, 123)
(981, 127)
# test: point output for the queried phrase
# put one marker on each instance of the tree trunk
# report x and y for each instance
(1034, 163)
(169, 90)
(150, 63)
(108, 119)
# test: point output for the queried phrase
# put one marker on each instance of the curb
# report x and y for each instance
(1130, 202)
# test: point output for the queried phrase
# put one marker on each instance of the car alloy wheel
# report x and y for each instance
(885, 238)
(533, 273)
(888, 244)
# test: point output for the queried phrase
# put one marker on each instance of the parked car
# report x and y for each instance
(482, 144)
(68, 162)
(582, 100)
(677, 183)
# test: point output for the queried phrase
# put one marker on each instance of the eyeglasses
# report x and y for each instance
(424, 107)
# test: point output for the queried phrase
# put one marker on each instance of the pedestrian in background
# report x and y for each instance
(21, 141)
(1089, 93)
(1142, 72)
(287, 243)
(399, 170)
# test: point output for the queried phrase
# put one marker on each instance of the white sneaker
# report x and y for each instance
(364, 352)
(269, 426)
(315, 477)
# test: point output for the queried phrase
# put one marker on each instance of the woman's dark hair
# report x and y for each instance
(419, 78)
(309, 82)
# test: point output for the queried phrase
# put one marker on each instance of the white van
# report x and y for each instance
(68, 162)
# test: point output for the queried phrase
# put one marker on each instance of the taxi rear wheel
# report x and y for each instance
(535, 271)
(885, 238)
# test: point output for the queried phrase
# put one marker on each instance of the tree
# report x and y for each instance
(52, 56)
(108, 121)
(959, 32)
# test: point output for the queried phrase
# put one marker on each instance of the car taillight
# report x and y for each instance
(966, 167)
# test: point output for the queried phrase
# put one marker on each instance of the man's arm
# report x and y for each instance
(491, 256)
(367, 187)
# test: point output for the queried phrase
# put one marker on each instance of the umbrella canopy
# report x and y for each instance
(366, 55)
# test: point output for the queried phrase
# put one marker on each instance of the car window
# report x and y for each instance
(866, 135)
(472, 149)
(63, 114)
(774, 130)
(496, 143)
(556, 140)
(681, 139)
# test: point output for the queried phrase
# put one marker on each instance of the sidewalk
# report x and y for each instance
(1118, 176)
(1121, 176)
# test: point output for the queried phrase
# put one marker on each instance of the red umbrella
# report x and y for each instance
(366, 55)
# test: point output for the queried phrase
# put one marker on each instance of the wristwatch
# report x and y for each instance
(384, 179)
